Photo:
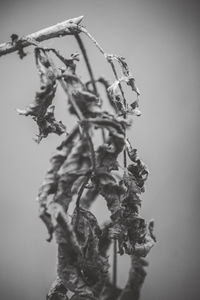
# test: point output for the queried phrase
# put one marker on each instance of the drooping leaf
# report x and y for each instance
(50, 125)
(50, 186)
(106, 154)
(148, 241)
(125, 70)
(138, 169)
(40, 110)
(67, 165)
(117, 98)
(110, 190)
(76, 165)
(87, 102)
(69, 254)
(94, 266)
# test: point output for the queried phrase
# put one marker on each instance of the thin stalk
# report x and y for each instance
(125, 159)
(92, 79)
(124, 152)
(83, 50)
(92, 39)
(115, 263)
(93, 159)
(80, 192)
(105, 55)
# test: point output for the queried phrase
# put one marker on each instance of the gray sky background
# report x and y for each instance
(160, 40)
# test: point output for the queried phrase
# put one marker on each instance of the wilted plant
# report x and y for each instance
(82, 170)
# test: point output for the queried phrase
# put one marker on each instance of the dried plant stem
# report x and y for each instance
(93, 40)
(81, 45)
(82, 189)
(92, 79)
(80, 192)
(115, 263)
(68, 27)
(113, 69)
(124, 152)
(105, 55)
(93, 159)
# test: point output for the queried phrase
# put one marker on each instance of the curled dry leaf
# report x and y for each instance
(125, 70)
(117, 98)
(69, 254)
(41, 110)
(87, 102)
(94, 265)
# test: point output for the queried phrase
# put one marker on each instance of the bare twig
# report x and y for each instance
(93, 40)
(68, 27)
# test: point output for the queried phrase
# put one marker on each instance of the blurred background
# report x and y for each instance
(160, 40)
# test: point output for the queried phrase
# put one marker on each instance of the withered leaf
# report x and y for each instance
(49, 125)
(87, 102)
(67, 165)
(94, 266)
(69, 253)
(117, 98)
(125, 70)
(41, 110)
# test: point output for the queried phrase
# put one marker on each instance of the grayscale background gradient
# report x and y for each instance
(160, 40)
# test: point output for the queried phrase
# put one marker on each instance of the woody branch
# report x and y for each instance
(68, 27)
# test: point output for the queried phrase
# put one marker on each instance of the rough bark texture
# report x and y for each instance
(68, 27)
